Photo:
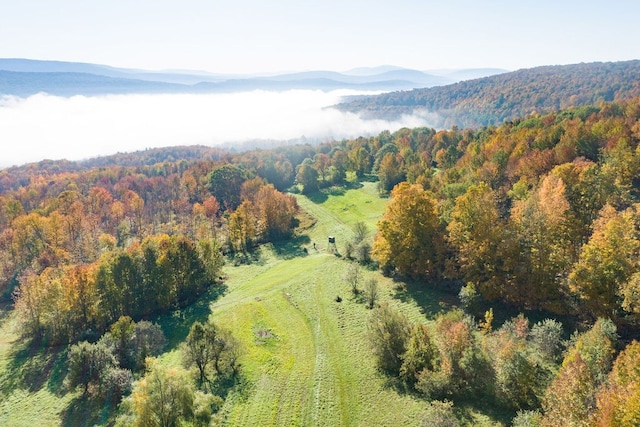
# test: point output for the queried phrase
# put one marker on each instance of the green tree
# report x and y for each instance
(421, 354)
(360, 160)
(225, 183)
(390, 172)
(123, 333)
(307, 176)
(210, 253)
(200, 348)
(570, 399)
(388, 332)
(339, 164)
(149, 340)
(164, 397)
(520, 380)
(546, 336)
(88, 366)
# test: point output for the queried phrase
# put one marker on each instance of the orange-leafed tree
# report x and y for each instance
(276, 213)
(478, 235)
(409, 238)
(242, 229)
(618, 403)
(541, 225)
(607, 262)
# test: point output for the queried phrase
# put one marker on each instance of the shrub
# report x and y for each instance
(388, 333)
(440, 414)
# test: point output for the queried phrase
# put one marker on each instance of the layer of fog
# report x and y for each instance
(50, 127)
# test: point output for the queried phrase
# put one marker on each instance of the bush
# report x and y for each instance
(434, 384)
(519, 379)
(469, 297)
(421, 354)
(164, 396)
(118, 384)
(371, 288)
(527, 419)
(352, 276)
(360, 232)
(440, 414)
(363, 253)
(205, 405)
(388, 333)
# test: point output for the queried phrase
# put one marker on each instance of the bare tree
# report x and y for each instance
(352, 276)
(371, 288)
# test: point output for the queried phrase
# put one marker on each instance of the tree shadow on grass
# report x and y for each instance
(465, 408)
(6, 307)
(32, 365)
(85, 411)
(253, 256)
(176, 324)
(432, 299)
(318, 197)
(292, 248)
(321, 196)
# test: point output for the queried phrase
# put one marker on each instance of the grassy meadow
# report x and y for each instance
(306, 358)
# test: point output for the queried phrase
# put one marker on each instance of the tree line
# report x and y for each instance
(540, 213)
(526, 368)
(518, 212)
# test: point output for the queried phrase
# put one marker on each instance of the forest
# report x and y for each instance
(492, 100)
(531, 227)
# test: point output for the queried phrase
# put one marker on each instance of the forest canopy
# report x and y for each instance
(492, 100)
(540, 214)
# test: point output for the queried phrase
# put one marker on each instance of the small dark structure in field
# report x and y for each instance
(332, 245)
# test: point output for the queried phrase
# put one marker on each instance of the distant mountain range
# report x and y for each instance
(507, 96)
(25, 77)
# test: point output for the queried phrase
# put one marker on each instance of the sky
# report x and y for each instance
(258, 36)
(248, 36)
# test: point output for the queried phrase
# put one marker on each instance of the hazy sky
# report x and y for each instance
(243, 36)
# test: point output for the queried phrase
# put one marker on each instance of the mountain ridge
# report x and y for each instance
(24, 77)
(498, 98)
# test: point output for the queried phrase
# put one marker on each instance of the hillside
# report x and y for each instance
(495, 99)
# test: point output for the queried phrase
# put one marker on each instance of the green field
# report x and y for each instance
(306, 359)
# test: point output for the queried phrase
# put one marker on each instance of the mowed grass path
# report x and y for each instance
(307, 360)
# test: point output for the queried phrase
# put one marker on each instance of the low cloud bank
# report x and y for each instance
(51, 127)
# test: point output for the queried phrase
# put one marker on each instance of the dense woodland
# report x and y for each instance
(541, 213)
(492, 100)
